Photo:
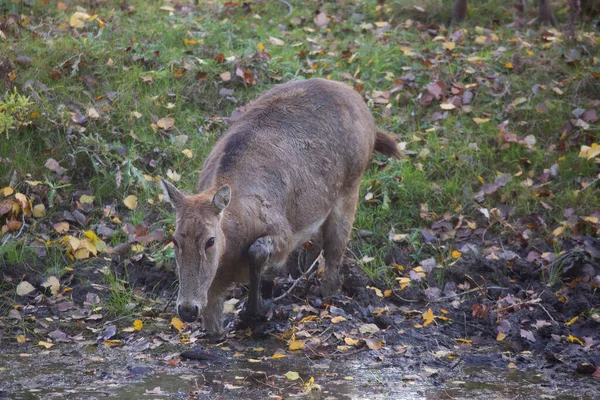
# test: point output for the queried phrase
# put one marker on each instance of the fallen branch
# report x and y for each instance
(469, 291)
(304, 275)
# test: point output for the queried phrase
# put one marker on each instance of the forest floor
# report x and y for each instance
(474, 266)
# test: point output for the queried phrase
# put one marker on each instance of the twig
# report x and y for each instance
(170, 300)
(304, 275)
(289, 6)
(543, 308)
(469, 291)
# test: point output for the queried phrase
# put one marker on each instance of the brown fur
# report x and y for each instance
(289, 168)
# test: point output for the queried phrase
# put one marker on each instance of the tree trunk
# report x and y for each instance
(545, 13)
(520, 18)
(574, 8)
(459, 12)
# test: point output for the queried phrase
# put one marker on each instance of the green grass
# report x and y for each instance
(129, 71)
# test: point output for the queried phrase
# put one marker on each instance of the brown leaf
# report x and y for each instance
(166, 123)
(53, 165)
(321, 20)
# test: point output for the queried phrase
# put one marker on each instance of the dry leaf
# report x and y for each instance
(177, 324)
(78, 19)
(53, 283)
(296, 345)
(138, 324)
(39, 211)
(428, 317)
(131, 202)
(24, 288)
(166, 123)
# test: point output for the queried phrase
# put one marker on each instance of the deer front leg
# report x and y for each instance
(265, 250)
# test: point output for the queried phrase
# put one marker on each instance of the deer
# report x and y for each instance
(289, 168)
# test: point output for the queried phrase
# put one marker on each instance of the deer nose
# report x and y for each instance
(188, 312)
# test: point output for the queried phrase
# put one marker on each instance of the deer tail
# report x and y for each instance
(385, 144)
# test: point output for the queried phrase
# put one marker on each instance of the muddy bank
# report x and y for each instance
(488, 331)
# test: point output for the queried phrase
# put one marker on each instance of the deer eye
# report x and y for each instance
(210, 242)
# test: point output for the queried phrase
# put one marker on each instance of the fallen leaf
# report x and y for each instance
(188, 153)
(351, 342)
(275, 41)
(53, 283)
(589, 152)
(24, 288)
(61, 227)
(177, 324)
(292, 375)
(138, 324)
(456, 254)
(337, 319)
(21, 339)
(572, 321)
(131, 202)
(78, 19)
(296, 345)
(165, 123)
(39, 211)
(53, 165)
(374, 344)
(368, 328)
(45, 344)
(428, 317)
(86, 199)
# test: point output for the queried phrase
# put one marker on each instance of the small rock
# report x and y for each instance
(198, 354)
(24, 61)
(140, 370)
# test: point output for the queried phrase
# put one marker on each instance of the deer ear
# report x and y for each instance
(171, 193)
(222, 197)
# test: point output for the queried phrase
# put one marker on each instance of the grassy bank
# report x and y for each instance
(498, 128)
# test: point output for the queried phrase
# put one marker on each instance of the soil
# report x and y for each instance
(364, 343)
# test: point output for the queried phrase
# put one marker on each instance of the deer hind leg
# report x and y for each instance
(336, 232)
(266, 250)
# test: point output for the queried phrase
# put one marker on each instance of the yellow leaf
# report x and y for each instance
(308, 318)
(173, 175)
(589, 152)
(593, 220)
(558, 231)
(456, 254)
(428, 317)
(447, 106)
(138, 324)
(254, 360)
(189, 41)
(292, 375)
(277, 355)
(501, 336)
(296, 344)
(511, 365)
(480, 120)
(85, 199)
(509, 65)
(387, 293)
(39, 211)
(33, 183)
(572, 321)
(188, 153)
(573, 339)
(45, 344)
(92, 236)
(82, 253)
(464, 341)
(376, 290)
(166, 123)
(131, 202)
(404, 282)
(53, 283)
(78, 19)
(112, 342)
(8, 191)
(21, 339)
(351, 342)
(374, 344)
(177, 324)
(449, 46)
(260, 47)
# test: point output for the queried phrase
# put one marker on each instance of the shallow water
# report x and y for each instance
(117, 374)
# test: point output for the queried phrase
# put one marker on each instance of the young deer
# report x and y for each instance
(287, 169)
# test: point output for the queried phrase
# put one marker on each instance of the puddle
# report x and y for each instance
(116, 374)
